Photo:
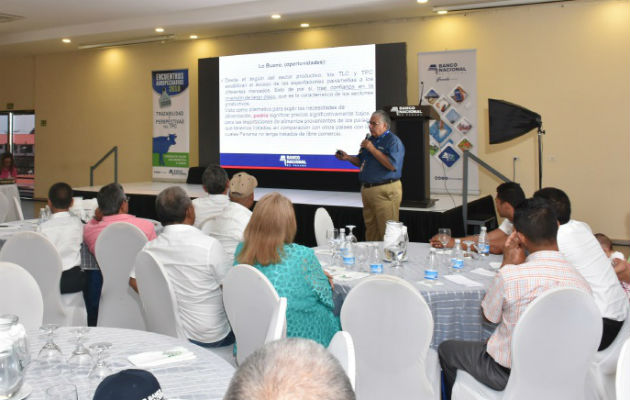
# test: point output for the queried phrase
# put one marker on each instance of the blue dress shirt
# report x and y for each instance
(373, 171)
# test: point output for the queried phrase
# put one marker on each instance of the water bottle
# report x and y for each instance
(376, 264)
(457, 260)
(482, 243)
(347, 252)
(431, 270)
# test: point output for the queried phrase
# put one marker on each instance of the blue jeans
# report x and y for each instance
(226, 341)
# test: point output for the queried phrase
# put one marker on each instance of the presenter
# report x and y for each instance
(380, 159)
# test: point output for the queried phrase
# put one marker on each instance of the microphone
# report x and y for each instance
(367, 136)
(421, 93)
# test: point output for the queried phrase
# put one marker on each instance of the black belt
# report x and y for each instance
(369, 185)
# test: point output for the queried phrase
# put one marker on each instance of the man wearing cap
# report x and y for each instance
(129, 384)
(219, 217)
(381, 160)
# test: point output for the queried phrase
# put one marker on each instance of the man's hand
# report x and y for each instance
(367, 145)
(341, 155)
(330, 279)
(622, 268)
(513, 252)
(435, 242)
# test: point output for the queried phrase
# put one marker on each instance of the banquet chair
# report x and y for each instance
(159, 306)
(623, 372)
(342, 347)
(278, 324)
(116, 249)
(4, 207)
(604, 366)
(322, 224)
(392, 327)
(553, 344)
(36, 254)
(18, 208)
(20, 295)
(250, 300)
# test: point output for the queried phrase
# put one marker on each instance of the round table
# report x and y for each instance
(456, 308)
(205, 377)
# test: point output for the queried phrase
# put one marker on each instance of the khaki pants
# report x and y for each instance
(380, 204)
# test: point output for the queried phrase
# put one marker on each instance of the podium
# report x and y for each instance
(411, 125)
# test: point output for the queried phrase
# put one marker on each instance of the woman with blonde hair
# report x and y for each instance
(291, 268)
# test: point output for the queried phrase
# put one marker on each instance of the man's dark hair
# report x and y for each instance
(171, 205)
(214, 179)
(110, 198)
(558, 200)
(60, 195)
(536, 219)
(511, 193)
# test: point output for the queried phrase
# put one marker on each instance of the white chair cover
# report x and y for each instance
(552, 347)
(20, 295)
(322, 224)
(36, 254)
(4, 207)
(278, 324)
(159, 305)
(116, 249)
(18, 208)
(342, 347)
(604, 367)
(391, 326)
(623, 372)
(250, 300)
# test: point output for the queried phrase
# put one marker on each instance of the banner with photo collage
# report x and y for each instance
(450, 86)
(171, 125)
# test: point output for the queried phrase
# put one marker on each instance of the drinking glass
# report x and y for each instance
(80, 357)
(350, 237)
(444, 236)
(50, 353)
(361, 252)
(332, 237)
(65, 391)
(100, 369)
(469, 248)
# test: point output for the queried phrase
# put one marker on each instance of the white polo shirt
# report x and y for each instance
(582, 250)
(195, 265)
(65, 231)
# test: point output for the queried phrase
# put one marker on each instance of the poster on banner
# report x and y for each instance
(450, 86)
(171, 121)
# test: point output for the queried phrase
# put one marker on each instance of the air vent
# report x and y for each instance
(9, 18)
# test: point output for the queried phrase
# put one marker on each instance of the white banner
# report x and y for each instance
(171, 121)
(450, 86)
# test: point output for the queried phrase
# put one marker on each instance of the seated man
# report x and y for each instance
(113, 206)
(195, 265)
(519, 281)
(292, 368)
(219, 217)
(65, 231)
(582, 250)
(509, 195)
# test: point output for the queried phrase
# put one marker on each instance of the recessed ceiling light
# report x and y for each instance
(304, 25)
(276, 16)
(423, 1)
(159, 30)
(66, 40)
(442, 12)
(193, 36)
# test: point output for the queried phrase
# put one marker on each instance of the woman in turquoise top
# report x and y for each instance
(291, 268)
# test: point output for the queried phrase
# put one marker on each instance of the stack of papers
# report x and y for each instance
(484, 272)
(341, 274)
(462, 280)
(157, 358)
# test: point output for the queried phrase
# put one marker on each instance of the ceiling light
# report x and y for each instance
(492, 4)
(276, 16)
(159, 30)
(423, 1)
(66, 40)
(304, 25)
(442, 12)
(193, 36)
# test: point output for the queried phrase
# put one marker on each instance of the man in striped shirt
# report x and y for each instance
(519, 281)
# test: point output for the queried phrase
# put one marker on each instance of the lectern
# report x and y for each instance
(411, 124)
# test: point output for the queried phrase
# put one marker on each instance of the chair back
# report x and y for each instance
(342, 347)
(159, 305)
(623, 372)
(18, 208)
(36, 254)
(116, 249)
(20, 295)
(322, 224)
(604, 366)
(553, 344)
(391, 326)
(278, 324)
(4, 207)
(250, 300)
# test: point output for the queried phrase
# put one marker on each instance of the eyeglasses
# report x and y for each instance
(372, 123)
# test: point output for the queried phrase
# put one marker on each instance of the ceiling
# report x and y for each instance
(43, 23)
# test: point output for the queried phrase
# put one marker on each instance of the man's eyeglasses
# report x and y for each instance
(372, 123)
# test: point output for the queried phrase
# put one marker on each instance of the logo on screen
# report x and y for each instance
(292, 161)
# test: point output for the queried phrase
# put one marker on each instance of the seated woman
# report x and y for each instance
(291, 268)
(7, 167)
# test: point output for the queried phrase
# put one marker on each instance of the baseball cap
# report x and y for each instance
(129, 384)
(242, 184)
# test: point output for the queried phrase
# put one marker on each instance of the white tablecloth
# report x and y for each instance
(206, 377)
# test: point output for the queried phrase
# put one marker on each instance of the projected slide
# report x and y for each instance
(294, 109)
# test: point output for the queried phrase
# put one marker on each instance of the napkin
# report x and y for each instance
(462, 280)
(495, 265)
(342, 274)
(484, 272)
(156, 358)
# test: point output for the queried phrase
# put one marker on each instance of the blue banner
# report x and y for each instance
(306, 162)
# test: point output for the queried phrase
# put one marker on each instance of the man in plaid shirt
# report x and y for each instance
(519, 281)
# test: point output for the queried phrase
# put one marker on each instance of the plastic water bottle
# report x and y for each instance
(347, 252)
(457, 260)
(482, 243)
(374, 259)
(431, 270)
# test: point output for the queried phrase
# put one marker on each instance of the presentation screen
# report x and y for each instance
(294, 109)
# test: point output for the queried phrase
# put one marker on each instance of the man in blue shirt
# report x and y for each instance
(380, 159)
